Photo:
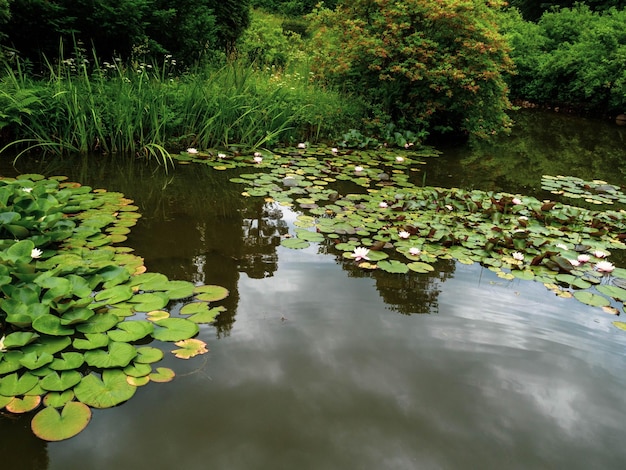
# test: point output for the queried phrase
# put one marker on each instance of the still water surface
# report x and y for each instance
(317, 365)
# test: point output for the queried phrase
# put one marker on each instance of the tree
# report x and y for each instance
(186, 29)
(425, 64)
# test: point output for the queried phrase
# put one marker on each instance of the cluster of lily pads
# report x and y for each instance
(595, 192)
(387, 221)
(77, 313)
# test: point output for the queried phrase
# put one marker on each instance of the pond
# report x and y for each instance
(317, 364)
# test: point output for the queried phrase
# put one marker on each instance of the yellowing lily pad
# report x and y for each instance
(211, 293)
(190, 348)
(23, 405)
(162, 374)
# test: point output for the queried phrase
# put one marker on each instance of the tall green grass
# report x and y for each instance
(83, 106)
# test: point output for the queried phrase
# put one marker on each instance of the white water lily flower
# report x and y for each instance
(449, 207)
(414, 251)
(600, 254)
(258, 159)
(192, 150)
(36, 253)
(258, 154)
(574, 262)
(518, 256)
(334, 150)
(358, 169)
(583, 258)
(516, 201)
(399, 159)
(604, 266)
(302, 145)
(383, 205)
(523, 217)
(562, 246)
(221, 155)
(360, 253)
(27, 190)
(404, 234)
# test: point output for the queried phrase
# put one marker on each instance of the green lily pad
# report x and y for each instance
(613, 291)
(208, 316)
(56, 382)
(420, 267)
(19, 339)
(58, 399)
(179, 289)
(99, 323)
(211, 293)
(162, 374)
(10, 361)
(150, 301)
(393, 266)
(592, 299)
(128, 331)
(111, 390)
(50, 425)
(17, 384)
(91, 341)
(174, 329)
(294, 243)
(137, 370)
(190, 348)
(148, 355)
(36, 359)
(67, 361)
(117, 355)
(51, 325)
(23, 405)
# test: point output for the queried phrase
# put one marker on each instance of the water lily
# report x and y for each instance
(600, 254)
(360, 253)
(404, 234)
(604, 266)
(302, 145)
(523, 217)
(258, 154)
(574, 262)
(583, 258)
(516, 201)
(221, 155)
(449, 207)
(399, 159)
(192, 150)
(408, 144)
(27, 190)
(414, 251)
(334, 150)
(383, 205)
(562, 246)
(258, 159)
(36, 253)
(518, 256)
(358, 169)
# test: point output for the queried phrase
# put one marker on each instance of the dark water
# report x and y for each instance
(316, 365)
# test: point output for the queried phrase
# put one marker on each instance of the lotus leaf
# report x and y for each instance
(162, 374)
(56, 382)
(129, 331)
(117, 355)
(23, 405)
(17, 384)
(148, 355)
(91, 341)
(174, 329)
(50, 425)
(190, 348)
(111, 390)
(211, 293)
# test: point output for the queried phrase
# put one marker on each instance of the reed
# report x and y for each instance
(84, 106)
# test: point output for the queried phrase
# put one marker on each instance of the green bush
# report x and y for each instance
(572, 57)
(423, 64)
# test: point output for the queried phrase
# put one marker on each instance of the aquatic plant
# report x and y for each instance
(405, 227)
(76, 311)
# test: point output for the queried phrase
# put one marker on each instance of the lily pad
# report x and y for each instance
(58, 399)
(50, 425)
(56, 382)
(111, 390)
(117, 355)
(211, 293)
(294, 243)
(592, 299)
(174, 329)
(190, 348)
(23, 405)
(129, 331)
(162, 374)
(148, 355)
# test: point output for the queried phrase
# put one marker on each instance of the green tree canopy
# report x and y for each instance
(183, 28)
(426, 64)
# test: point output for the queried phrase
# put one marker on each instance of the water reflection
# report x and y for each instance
(311, 367)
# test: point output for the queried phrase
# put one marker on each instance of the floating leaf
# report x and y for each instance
(117, 355)
(23, 405)
(591, 299)
(99, 323)
(129, 331)
(162, 374)
(107, 392)
(56, 382)
(148, 355)
(393, 266)
(68, 361)
(51, 325)
(138, 381)
(137, 369)
(420, 267)
(190, 348)
(174, 329)
(50, 425)
(211, 293)
(14, 384)
(294, 243)
(208, 316)
(58, 399)
(91, 341)
(18, 339)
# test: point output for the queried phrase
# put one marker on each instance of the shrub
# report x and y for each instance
(426, 64)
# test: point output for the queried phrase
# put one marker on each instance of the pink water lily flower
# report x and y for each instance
(583, 258)
(383, 205)
(604, 266)
(516, 201)
(414, 251)
(518, 256)
(360, 253)
(600, 254)
(574, 262)
(404, 234)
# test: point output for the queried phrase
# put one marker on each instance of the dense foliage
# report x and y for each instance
(424, 64)
(572, 57)
(291, 7)
(185, 28)
(533, 9)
